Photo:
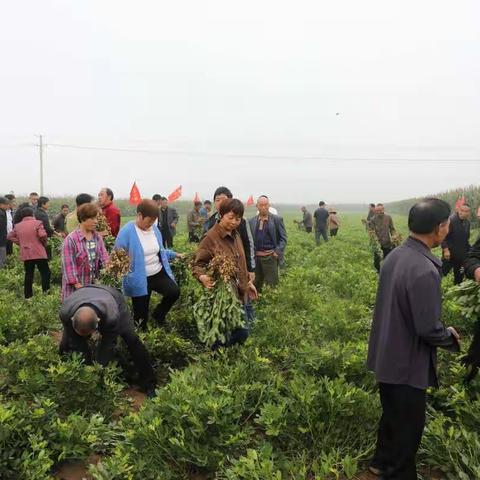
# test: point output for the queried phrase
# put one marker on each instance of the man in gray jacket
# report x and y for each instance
(167, 220)
(406, 332)
(97, 308)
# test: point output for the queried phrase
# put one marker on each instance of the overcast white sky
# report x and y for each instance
(246, 77)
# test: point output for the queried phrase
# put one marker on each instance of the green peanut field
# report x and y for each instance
(294, 402)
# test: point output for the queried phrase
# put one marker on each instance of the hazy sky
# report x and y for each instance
(283, 87)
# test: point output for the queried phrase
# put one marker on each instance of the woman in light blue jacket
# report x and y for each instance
(149, 265)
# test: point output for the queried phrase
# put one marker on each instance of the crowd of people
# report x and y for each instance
(406, 329)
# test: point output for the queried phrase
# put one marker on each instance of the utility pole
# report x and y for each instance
(40, 146)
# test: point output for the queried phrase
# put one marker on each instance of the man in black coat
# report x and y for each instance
(406, 332)
(167, 220)
(103, 309)
(457, 244)
(321, 222)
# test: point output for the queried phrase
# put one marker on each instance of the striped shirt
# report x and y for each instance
(76, 267)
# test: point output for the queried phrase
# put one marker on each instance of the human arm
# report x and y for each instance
(248, 245)
(69, 267)
(174, 218)
(425, 297)
(200, 265)
(281, 236)
(472, 262)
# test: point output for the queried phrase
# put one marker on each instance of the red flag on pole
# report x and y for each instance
(249, 201)
(175, 195)
(135, 197)
(460, 201)
(196, 198)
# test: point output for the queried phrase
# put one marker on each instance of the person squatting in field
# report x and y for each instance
(150, 265)
(405, 334)
(224, 238)
(102, 309)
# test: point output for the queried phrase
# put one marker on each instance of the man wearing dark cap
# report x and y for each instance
(103, 309)
(406, 331)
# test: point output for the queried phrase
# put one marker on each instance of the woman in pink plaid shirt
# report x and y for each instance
(83, 253)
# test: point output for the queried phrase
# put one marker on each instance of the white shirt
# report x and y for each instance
(9, 221)
(151, 249)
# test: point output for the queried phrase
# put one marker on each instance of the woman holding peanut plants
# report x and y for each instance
(149, 265)
(221, 267)
(83, 252)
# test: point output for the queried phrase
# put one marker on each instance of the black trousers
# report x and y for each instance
(333, 232)
(400, 431)
(105, 352)
(44, 269)
(193, 237)
(9, 247)
(160, 283)
(308, 229)
(377, 259)
(167, 239)
(457, 266)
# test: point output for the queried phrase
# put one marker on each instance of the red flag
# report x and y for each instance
(175, 195)
(196, 198)
(135, 197)
(460, 201)
(249, 201)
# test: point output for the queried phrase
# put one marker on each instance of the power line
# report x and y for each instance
(262, 156)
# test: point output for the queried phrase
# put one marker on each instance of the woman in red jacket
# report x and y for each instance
(30, 235)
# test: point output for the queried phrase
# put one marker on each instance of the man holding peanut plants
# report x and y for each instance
(406, 332)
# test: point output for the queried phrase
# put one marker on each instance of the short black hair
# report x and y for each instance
(208, 202)
(157, 197)
(222, 191)
(231, 205)
(24, 212)
(10, 196)
(4, 201)
(427, 215)
(33, 193)
(64, 206)
(321, 204)
(109, 192)
(379, 204)
(464, 205)
(83, 198)
(42, 201)
(197, 203)
(372, 205)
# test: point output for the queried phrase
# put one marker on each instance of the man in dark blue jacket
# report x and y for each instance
(406, 332)
(456, 245)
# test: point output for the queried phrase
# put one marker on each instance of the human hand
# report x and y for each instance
(206, 281)
(173, 225)
(454, 333)
(251, 276)
(77, 286)
(252, 291)
(446, 254)
(476, 275)
(180, 256)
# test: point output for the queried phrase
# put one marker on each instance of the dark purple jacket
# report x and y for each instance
(407, 329)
